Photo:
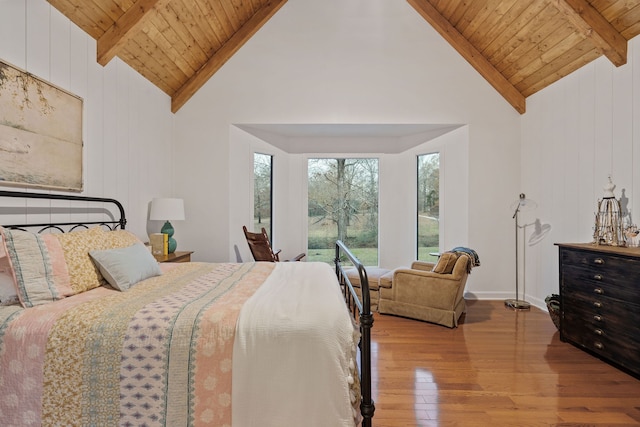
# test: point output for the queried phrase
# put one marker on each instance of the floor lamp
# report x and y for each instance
(522, 204)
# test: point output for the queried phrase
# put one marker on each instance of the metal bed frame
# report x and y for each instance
(361, 311)
(113, 224)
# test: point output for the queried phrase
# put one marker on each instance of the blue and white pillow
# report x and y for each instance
(124, 267)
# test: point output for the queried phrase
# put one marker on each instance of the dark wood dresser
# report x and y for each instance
(600, 309)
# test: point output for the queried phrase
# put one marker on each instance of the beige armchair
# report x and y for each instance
(422, 294)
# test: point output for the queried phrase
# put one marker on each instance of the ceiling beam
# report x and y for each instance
(470, 53)
(590, 23)
(222, 55)
(125, 28)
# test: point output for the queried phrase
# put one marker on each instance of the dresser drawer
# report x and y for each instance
(598, 258)
(618, 268)
(614, 346)
(600, 282)
(602, 316)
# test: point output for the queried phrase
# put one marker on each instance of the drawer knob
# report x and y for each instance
(597, 318)
(598, 331)
(597, 304)
(599, 345)
(598, 291)
(599, 261)
(597, 276)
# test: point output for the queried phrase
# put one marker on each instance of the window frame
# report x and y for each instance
(429, 258)
(271, 173)
(333, 156)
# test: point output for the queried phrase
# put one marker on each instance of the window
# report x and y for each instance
(343, 204)
(428, 220)
(262, 191)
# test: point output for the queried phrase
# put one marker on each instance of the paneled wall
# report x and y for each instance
(127, 123)
(575, 134)
(346, 62)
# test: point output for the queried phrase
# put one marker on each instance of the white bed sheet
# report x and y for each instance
(315, 377)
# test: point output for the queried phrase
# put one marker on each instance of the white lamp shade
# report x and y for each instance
(166, 209)
(524, 204)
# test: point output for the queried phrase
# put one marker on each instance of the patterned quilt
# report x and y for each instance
(159, 354)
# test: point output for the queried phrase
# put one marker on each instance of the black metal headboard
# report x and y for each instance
(111, 224)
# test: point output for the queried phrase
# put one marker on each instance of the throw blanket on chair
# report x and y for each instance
(474, 261)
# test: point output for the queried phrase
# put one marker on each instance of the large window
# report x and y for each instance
(262, 192)
(428, 220)
(343, 204)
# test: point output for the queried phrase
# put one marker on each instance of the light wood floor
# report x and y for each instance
(498, 368)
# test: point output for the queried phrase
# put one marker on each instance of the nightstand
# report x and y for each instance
(177, 256)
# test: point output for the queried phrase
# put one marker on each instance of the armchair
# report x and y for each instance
(422, 294)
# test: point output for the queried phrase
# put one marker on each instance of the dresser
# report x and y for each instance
(600, 310)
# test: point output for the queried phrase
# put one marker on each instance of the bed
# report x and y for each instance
(101, 334)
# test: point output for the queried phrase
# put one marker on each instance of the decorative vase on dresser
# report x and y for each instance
(600, 302)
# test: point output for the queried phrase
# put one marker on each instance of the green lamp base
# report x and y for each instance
(167, 229)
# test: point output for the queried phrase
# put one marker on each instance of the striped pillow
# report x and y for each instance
(37, 265)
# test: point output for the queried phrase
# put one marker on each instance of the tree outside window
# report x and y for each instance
(262, 191)
(343, 204)
(428, 220)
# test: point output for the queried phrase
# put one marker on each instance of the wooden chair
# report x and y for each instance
(261, 247)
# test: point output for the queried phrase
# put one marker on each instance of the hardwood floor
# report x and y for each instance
(498, 368)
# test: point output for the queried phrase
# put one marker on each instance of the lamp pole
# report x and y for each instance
(516, 303)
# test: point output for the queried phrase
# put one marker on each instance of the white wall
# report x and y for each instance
(398, 226)
(241, 205)
(574, 134)
(361, 61)
(127, 123)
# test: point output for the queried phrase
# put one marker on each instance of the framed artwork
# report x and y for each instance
(40, 133)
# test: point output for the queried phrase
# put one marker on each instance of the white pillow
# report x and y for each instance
(8, 294)
(124, 267)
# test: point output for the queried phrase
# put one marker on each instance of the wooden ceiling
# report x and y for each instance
(522, 46)
(518, 46)
(175, 44)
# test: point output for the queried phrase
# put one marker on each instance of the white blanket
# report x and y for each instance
(294, 352)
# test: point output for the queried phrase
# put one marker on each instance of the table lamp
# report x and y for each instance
(167, 209)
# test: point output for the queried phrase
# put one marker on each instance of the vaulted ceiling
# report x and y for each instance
(518, 46)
